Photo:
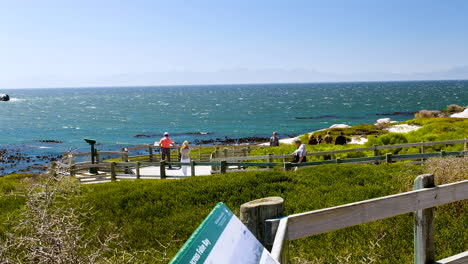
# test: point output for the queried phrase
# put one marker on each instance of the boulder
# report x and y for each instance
(4, 97)
(339, 126)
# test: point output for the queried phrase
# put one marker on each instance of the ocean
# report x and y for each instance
(51, 121)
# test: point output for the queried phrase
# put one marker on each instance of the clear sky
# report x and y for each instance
(148, 42)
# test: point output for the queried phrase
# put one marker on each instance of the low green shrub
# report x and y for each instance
(161, 215)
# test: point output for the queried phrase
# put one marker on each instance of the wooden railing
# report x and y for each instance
(375, 149)
(422, 201)
(132, 169)
(229, 164)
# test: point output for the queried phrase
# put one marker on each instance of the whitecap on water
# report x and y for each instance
(16, 99)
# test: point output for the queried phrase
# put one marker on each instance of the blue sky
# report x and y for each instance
(110, 43)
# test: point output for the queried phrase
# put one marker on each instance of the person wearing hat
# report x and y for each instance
(165, 144)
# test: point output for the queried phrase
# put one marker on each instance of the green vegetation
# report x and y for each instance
(161, 215)
(433, 129)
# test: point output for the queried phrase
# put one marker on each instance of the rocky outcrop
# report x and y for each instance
(4, 97)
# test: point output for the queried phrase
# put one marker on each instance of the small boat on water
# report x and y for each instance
(4, 97)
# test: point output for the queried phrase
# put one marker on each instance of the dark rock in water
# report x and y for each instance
(48, 141)
(231, 141)
(145, 136)
(319, 117)
(4, 97)
(397, 113)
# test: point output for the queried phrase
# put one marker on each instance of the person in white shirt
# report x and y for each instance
(300, 153)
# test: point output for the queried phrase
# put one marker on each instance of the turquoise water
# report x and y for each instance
(114, 116)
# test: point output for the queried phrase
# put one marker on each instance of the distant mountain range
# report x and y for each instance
(228, 76)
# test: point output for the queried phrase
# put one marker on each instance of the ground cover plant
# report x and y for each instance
(161, 215)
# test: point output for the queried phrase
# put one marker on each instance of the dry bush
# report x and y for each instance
(453, 108)
(51, 230)
(448, 169)
(427, 114)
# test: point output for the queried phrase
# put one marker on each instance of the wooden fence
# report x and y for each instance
(132, 169)
(423, 200)
(375, 149)
(227, 163)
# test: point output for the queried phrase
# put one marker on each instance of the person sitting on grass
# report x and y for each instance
(328, 138)
(319, 139)
(341, 139)
(300, 154)
(312, 140)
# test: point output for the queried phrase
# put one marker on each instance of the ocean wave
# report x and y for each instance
(17, 99)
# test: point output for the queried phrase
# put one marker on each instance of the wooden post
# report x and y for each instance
(113, 174)
(244, 152)
(287, 166)
(338, 160)
(254, 213)
(442, 153)
(332, 156)
(125, 159)
(270, 158)
(150, 152)
(424, 225)
(192, 168)
(223, 166)
(138, 170)
(423, 150)
(376, 151)
(98, 157)
(72, 164)
(388, 157)
(466, 144)
(226, 152)
(162, 169)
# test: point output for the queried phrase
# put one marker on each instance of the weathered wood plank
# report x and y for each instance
(424, 225)
(324, 220)
(461, 258)
(431, 143)
(280, 245)
(112, 152)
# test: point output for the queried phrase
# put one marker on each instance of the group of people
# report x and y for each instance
(328, 139)
(300, 154)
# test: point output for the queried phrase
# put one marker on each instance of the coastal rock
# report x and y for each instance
(404, 128)
(4, 97)
(383, 121)
(463, 114)
(339, 126)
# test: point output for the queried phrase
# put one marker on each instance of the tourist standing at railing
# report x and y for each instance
(185, 156)
(165, 144)
(274, 140)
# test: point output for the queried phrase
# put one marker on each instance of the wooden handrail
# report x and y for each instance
(321, 153)
(324, 220)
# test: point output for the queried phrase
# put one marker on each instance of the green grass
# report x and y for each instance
(147, 213)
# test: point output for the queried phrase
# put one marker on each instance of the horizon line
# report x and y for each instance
(227, 84)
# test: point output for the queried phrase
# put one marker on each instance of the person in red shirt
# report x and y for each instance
(165, 144)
